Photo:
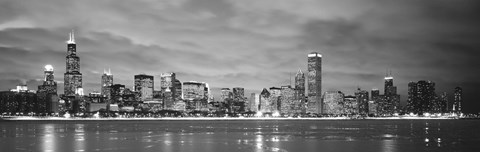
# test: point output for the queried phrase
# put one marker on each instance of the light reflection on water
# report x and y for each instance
(259, 136)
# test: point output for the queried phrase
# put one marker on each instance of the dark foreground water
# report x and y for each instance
(223, 136)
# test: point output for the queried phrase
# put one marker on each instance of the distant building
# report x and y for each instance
(225, 94)
(275, 94)
(444, 102)
(392, 99)
(314, 104)
(287, 100)
(144, 86)
(333, 102)
(195, 95)
(118, 91)
(362, 100)
(300, 85)
(46, 91)
(457, 100)
(73, 77)
(21, 102)
(265, 105)
(253, 102)
(239, 94)
(177, 85)
(375, 93)
(350, 105)
(168, 89)
(107, 82)
(238, 100)
(421, 97)
(372, 107)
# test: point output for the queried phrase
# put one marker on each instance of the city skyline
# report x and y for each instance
(36, 44)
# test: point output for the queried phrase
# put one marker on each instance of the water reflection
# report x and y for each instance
(389, 145)
(49, 141)
(241, 136)
(79, 137)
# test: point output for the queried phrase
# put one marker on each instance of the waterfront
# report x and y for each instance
(248, 135)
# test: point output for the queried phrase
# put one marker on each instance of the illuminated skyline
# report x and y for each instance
(250, 44)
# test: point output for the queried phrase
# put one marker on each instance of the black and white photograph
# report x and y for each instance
(239, 75)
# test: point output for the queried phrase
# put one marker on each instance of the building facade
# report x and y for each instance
(457, 100)
(333, 102)
(107, 82)
(314, 105)
(72, 77)
(144, 86)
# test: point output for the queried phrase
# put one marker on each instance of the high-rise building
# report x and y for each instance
(225, 94)
(144, 86)
(333, 102)
(275, 94)
(392, 99)
(264, 101)
(287, 100)
(178, 90)
(168, 90)
(73, 77)
(314, 104)
(444, 102)
(238, 94)
(118, 91)
(375, 94)
(300, 85)
(457, 100)
(412, 105)
(196, 95)
(362, 100)
(424, 97)
(254, 98)
(350, 104)
(46, 91)
(107, 82)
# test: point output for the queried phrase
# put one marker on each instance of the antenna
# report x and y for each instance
(290, 78)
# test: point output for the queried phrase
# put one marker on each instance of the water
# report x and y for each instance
(221, 136)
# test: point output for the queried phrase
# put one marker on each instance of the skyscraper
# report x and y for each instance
(425, 96)
(166, 82)
(168, 91)
(178, 90)
(314, 104)
(412, 105)
(300, 85)
(144, 86)
(362, 100)
(107, 82)
(392, 99)
(375, 94)
(46, 91)
(457, 100)
(238, 94)
(49, 85)
(73, 77)
(333, 101)
(225, 94)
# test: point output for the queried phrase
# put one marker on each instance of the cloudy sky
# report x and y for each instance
(247, 43)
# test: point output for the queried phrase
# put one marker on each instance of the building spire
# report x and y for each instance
(299, 71)
(71, 39)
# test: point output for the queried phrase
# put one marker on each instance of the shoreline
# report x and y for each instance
(221, 119)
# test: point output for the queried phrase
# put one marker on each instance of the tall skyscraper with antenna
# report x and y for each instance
(73, 77)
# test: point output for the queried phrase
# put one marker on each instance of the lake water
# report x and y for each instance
(222, 136)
